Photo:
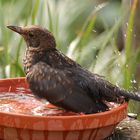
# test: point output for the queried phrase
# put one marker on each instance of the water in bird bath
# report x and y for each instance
(22, 102)
(27, 104)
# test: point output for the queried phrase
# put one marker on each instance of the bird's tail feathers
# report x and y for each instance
(129, 95)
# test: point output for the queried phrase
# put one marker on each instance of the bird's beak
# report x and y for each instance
(16, 29)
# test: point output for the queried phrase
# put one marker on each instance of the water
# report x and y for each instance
(23, 102)
(133, 81)
(27, 104)
(94, 30)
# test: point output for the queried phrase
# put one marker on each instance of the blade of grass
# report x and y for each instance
(93, 13)
(20, 71)
(16, 69)
(50, 17)
(35, 10)
(4, 34)
(128, 43)
(85, 32)
(88, 30)
(108, 38)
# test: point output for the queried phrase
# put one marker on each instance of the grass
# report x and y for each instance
(82, 31)
(129, 67)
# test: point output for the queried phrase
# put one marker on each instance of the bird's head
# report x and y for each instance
(35, 36)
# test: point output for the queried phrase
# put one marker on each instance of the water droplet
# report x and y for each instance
(119, 53)
(118, 65)
(96, 56)
(117, 85)
(100, 6)
(94, 31)
(135, 88)
(133, 81)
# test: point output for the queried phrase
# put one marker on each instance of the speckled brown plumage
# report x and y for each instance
(60, 80)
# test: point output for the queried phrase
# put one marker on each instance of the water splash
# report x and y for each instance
(94, 31)
(133, 81)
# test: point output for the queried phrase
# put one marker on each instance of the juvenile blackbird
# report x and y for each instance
(64, 83)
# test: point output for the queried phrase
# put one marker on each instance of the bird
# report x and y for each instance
(53, 76)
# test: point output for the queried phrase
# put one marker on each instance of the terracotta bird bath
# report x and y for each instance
(18, 125)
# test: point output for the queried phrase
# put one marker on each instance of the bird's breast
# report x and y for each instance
(29, 60)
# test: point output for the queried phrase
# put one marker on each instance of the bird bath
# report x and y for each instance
(58, 124)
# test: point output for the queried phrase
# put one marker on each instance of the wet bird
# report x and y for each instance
(53, 76)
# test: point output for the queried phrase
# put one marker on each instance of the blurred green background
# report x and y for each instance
(98, 34)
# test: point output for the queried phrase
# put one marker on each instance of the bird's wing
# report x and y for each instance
(95, 86)
(100, 89)
(57, 87)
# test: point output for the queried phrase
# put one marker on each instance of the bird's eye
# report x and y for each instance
(31, 34)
